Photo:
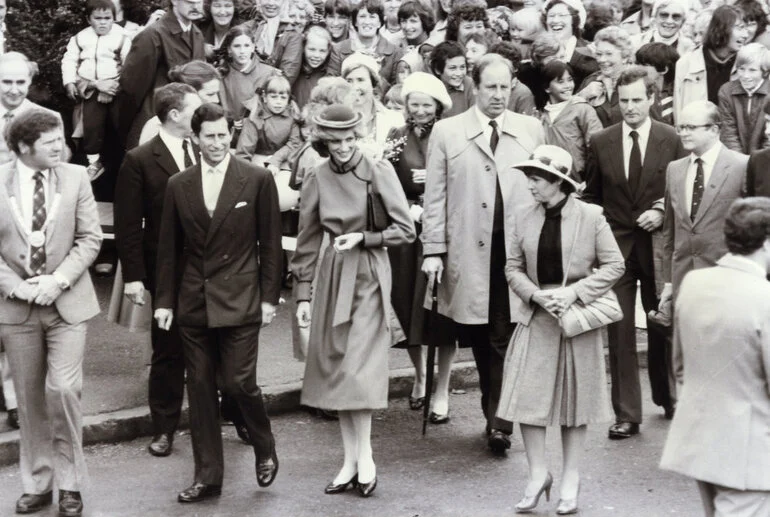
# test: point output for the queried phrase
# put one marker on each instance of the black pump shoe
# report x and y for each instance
(366, 489)
(331, 488)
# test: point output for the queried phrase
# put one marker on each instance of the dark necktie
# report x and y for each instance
(37, 253)
(634, 163)
(497, 214)
(495, 138)
(697, 189)
(186, 151)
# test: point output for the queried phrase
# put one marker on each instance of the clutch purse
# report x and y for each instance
(377, 218)
(579, 317)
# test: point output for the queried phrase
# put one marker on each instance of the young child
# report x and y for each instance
(393, 99)
(476, 45)
(526, 25)
(447, 62)
(271, 133)
(568, 120)
(409, 62)
(90, 71)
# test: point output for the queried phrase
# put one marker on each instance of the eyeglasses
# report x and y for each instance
(674, 16)
(689, 128)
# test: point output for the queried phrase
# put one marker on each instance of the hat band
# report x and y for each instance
(545, 160)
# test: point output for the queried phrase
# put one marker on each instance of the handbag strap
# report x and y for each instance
(572, 249)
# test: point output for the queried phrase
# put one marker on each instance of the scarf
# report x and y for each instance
(420, 130)
(266, 40)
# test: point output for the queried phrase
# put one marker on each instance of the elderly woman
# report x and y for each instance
(563, 252)
(362, 72)
(701, 72)
(315, 63)
(565, 19)
(350, 331)
(278, 43)
(669, 18)
(613, 51)
(425, 99)
(219, 20)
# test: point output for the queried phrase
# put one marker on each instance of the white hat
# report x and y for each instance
(577, 5)
(429, 84)
(358, 59)
(552, 159)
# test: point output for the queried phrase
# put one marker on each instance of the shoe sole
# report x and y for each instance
(617, 436)
(199, 499)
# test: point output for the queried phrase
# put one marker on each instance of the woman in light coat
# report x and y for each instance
(549, 379)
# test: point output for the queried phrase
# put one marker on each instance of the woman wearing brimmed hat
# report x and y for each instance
(425, 99)
(551, 380)
(347, 358)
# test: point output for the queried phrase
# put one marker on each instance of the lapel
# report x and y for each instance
(652, 155)
(12, 189)
(718, 176)
(54, 187)
(175, 28)
(232, 186)
(475, 133)
(678, 189)
(163, 156)
(569, 229)
(193, 191)
(616, 156)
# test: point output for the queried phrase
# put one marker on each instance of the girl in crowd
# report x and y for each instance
(526, 25)
(565, 20)
(425, 99)
(568, 120)
(315, 63)
(545, 49)
(350, 334)
(337, 19)
(447, 62)
(563, 252)
(408, 64)
(221, 17)
(391, 29)
(277, 42)
(416, 23)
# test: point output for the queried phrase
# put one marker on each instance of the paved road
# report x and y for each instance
(448, 473)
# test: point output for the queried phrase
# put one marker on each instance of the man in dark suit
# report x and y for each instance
(173, 40)
(219, 276)
(141, 189)
(625, 174)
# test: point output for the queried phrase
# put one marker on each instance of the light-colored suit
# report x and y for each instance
(721, 431)
(688, 244)
(45, 344)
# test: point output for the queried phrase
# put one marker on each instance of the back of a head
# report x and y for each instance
(169, 97)
(195, 73)
(747, 225)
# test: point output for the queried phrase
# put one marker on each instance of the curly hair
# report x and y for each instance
(443, 52)
(27, 127)
(464, 13)
(747, 225)
(619, 39)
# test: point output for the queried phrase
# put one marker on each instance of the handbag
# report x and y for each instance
(377, 218)
(579, 317)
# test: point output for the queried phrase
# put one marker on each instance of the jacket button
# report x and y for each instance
(22, 257)
(483, 205)
(487, 168)
(481, 244)
(226, 257)
(206, 280)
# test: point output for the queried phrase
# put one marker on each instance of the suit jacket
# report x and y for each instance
(758, 174)
(742, 133)
(462, 174)
(141, 188)
(606, 182)
(722, 358)
(687, 244)
(215, 271)
(596, 260)
(154, 51)
(73, 239)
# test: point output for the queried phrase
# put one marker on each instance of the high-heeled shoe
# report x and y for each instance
(416, 403)
(437, 419)
(529, 503)
(331, 488)
(568, 506)
(366, 489)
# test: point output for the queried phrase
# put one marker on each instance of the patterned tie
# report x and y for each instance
(697, 189)
(37, 254)
(495, 138)
(634, 163)
(186, 151)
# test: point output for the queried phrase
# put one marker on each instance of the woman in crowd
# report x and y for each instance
(315, 63)
(278, 43)
(545, 48)
(526, 25)
(662, 59)
(438, 34)
(701, 72)
(337, 19)
(362, 72)
(447, 62)
(300, 14)
(416, 22)
(425, 99)
(350, 335)
(391, 29)
(466, 18)
(756, 21)
(613, 51)
(669, 18)
(219, 20)
(565, 20)
(549, 379)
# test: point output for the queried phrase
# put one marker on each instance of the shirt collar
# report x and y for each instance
(184, 26)
(169, 139)
(748, 263)
(220, 168)
(710, 156)
(754, 90)
(28, 172)
(25, 104)
(484, 120)
(643, 130)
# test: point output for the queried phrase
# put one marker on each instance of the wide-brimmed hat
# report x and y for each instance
(552, 159)
(429, 84)
(577, 5)
(337, 116)
(358, 59)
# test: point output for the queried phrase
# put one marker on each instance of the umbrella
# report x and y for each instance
(431, 355)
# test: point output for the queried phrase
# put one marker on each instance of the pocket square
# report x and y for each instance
(240, 204)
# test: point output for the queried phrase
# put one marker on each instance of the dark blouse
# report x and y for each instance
(549, 266)
(717, 74)
(412, 155)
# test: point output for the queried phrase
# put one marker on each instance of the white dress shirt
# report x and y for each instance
(27, 191)
(484, 120)
(213, 178)
(709, 160)
(628, 142)
(174, 146)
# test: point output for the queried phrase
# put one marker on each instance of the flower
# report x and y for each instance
(393, 148)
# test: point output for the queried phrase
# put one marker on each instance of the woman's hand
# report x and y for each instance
(542, 298)
(348, 241)
(303, 314)
(562, 298)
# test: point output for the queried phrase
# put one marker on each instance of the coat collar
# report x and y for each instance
(741, 264)
(734, 88)
(163, 156)
(473, 128)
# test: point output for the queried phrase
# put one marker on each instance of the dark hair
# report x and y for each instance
(464, 13)
(565, 186)
(633, 73)
(509, 51)
(576, 31)
(482, 38)
(598, 16)
(372, 7)
(443, 52)
(753, 12)
(721, 27)
(339, 7)
(554, 70)
(100, 5)
(236, 14)
(747, 225)
(27, 127)
(486, 61)
(208, 112)
(195, 73)
(171, 97)
(223, 59)
(661, 56)
(414, 8)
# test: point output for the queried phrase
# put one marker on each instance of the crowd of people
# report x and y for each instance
(533, 164)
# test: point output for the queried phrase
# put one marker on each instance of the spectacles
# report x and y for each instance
(689, 128)
(674, 16)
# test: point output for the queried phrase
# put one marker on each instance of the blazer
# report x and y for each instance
(596, 259)
(73, 239)
(690, 80)
(154, 51)
(462, 174)
(722, 358)
(387, 54)
(687, 244)
(215, 271)
(758, 174)
(739, 132)
(607, 185)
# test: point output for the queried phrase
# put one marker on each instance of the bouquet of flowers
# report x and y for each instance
(393, 148)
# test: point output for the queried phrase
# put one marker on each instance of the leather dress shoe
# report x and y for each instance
(31, 503)
(13, 418)
(331, 488)
(622, 430)
(498, 441)
(437, 419)
(267, 470)
(366, 489)
(668, 411)
(70, 504)
(161, 445)
(198, 492)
